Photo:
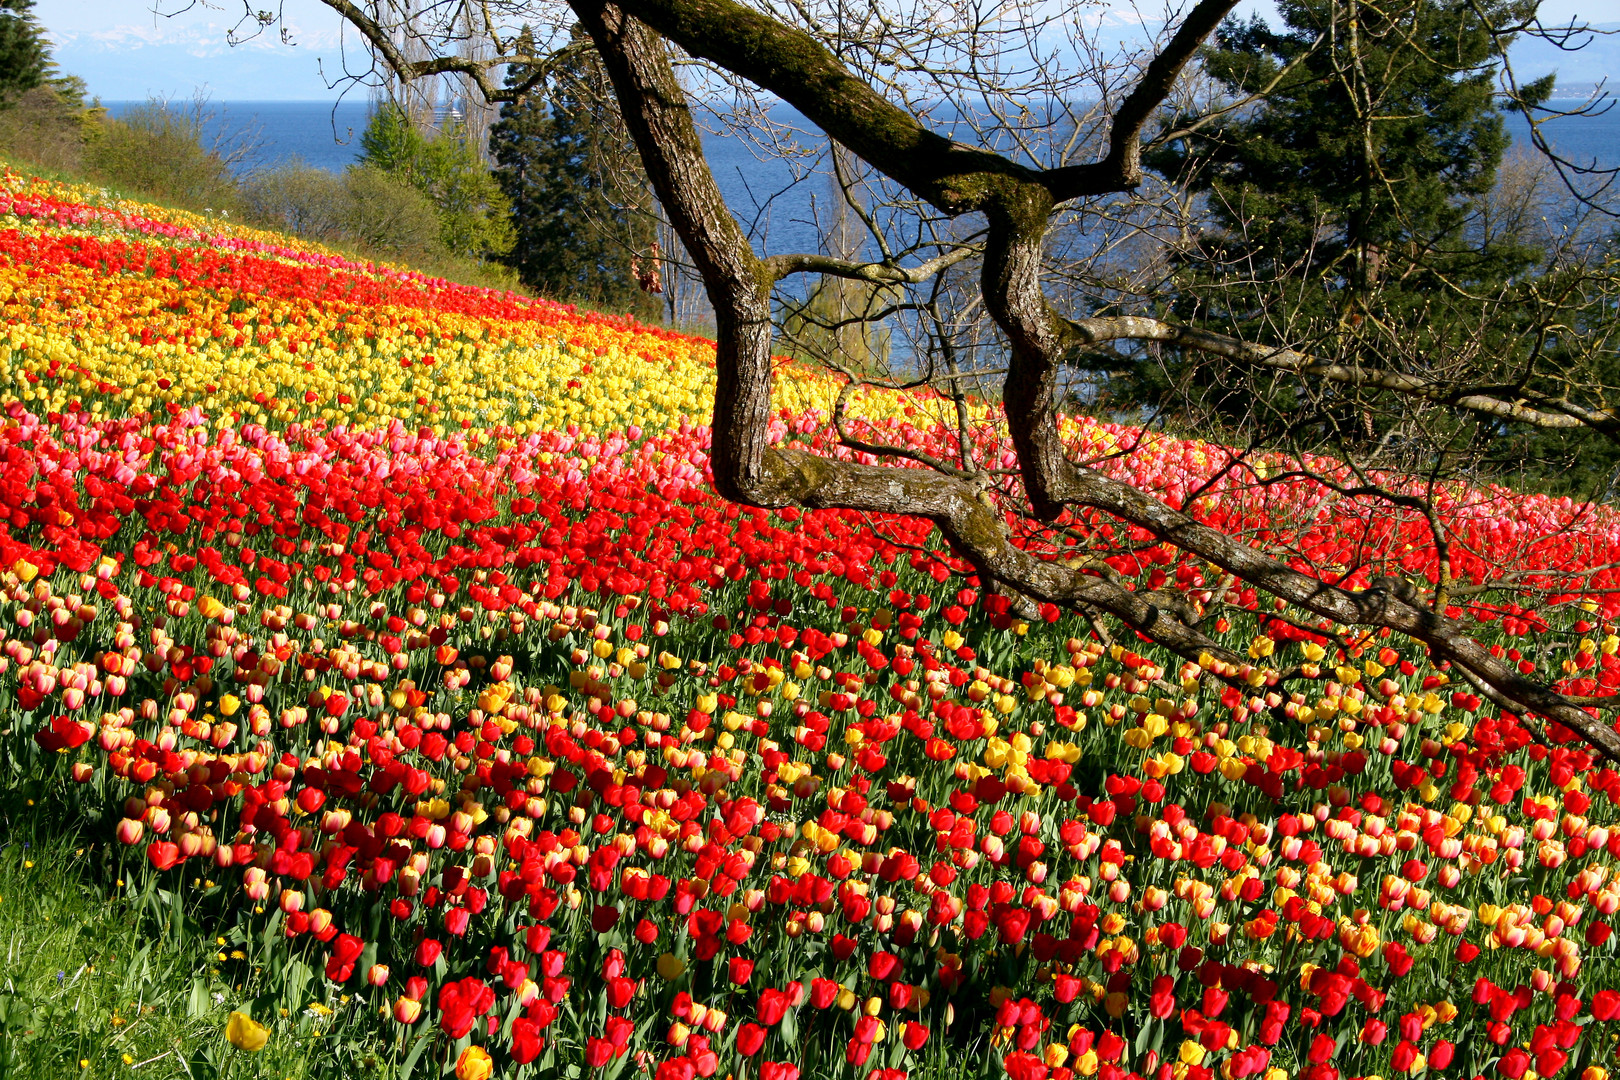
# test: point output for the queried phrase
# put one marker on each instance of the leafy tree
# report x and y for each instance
(24, 53)
(580, 208)
(446, 168)
(393, 143)
(1345, 209)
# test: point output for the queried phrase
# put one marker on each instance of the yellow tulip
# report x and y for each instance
(670, 967)
(246, 1034)
(474, 1064)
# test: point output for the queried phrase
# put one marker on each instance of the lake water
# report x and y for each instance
(328, 136)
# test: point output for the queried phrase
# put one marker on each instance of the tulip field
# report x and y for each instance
(386, 636)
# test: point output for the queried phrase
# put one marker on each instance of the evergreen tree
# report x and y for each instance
(24, 53)
(580, 207)
(1342, 209)
(393, 143)
(446, 167)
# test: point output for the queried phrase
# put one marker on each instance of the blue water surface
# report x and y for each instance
(327, 136)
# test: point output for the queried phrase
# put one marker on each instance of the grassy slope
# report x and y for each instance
(93, 987)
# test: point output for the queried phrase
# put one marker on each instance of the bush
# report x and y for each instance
(48, 129)
(368, 211)
(158, 150)
(299, 199)
(388, 216)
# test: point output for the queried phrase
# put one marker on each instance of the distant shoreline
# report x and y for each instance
(1584, 91)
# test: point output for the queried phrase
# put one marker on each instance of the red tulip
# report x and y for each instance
(526, 1041)
(823, 992)
(1441, 1054)
(1513, 1064)
(750, 1038)
(598, 1052)
(773, 1005)
(163, 854)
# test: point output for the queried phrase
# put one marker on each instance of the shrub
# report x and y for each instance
(299, 199)
(158, 150)
(367, 211)
(49, 128)
(385, 215)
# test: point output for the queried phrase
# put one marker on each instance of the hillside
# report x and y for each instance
(388, 634)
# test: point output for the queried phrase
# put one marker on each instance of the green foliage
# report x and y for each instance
(581, 212)
(49, 128)
(1384, 161)
(47, 123)
(367, 211)
(158, 150)
(381, 213)
(392, 143)
(24, 54)
(446, 169)
(1344, 209)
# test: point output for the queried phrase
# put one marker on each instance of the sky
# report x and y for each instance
(125, 51)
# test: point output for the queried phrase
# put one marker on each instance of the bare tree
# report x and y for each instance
(968, 121)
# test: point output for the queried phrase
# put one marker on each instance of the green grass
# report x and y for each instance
(100, 982)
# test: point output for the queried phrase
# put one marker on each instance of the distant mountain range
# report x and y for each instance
(171, 57)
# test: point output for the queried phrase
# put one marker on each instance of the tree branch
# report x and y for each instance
(1122, 167)
(1553, 413)
(955, 177)
(476, 70)
(878, 273)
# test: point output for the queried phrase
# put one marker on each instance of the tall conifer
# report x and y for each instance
(1342, 208)
(581, 211)
(24, 53)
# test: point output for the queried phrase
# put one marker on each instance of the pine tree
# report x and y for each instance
(1342, 208)
(580, 207)
(24, 53)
